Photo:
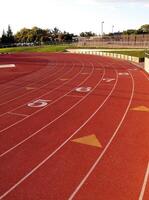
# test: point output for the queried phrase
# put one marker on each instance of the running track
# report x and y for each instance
(41, 157)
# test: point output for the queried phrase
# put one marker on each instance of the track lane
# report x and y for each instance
(44, 173)
(47, 88)
(98, 103)
(57, 176)
(28, 77)
(38, 116)
(23, 91)
(49, 76)
(52, 94)
(76, 192)
(124, 164)
(28, 95)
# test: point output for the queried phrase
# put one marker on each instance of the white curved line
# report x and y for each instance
(56, 150)
(105, 149)
(41, 108)
(26, 139)
(144, 183)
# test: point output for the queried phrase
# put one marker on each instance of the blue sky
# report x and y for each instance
(74, 15)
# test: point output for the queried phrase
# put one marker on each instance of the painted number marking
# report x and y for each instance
(38, 103)
(83, 89)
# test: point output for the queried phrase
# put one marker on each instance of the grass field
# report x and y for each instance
(62, 48)
(140, 53)
(46, 48)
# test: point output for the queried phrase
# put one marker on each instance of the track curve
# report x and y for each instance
(90, 138)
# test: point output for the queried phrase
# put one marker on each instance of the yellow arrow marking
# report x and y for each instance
(30, 88)
(141, 108)
(88, 140)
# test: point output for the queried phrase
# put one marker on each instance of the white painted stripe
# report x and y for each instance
(35, 82)
(4, 103)
(143, 72)
(144, 183)
(26, 139)
(43, 96)
(19, 114)
(145, 75)
(7, 66)
(105, 149)
(4, 153)
(56, 150)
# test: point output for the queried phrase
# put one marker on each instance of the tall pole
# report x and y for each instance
(102, 28)
(112, 28)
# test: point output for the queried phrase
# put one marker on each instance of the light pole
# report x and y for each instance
(112, 28)
(102, 28)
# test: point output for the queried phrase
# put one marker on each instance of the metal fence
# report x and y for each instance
(135, 41)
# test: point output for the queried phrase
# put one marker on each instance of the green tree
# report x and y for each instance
(4, 38)
(7, 37)
(87, 34)
(10, 37)
(145, 28)
(22, 35)
(33, 35)
(129, 32)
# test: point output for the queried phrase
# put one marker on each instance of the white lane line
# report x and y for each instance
(141, 70)
(67, 140)
(105, 149)
(46, 93)
(144, 183)
(7, 65)
(11, 84)
(12, 91)
(18, 114)
(26, 85)
(19, 121)
(37, 81)
(36, 73)
(26, 139)
(144, 73)
(30, 91)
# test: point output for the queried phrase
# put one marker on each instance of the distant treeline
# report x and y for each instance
(35, 36)
(144, 29)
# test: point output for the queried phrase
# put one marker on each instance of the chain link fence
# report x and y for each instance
(119, 41)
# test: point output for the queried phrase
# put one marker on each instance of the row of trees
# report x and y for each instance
(37, 35)
(87, 34)
(34, 36)
(144, 29)
(7, 37)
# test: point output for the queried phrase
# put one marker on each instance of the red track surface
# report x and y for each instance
(39, 159)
